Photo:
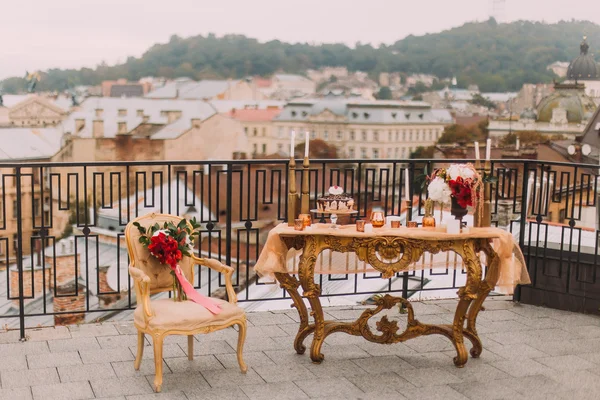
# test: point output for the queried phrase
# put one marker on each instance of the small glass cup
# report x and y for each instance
(299, 224)
(377, 219)
(412, 224)
(307, 220)
(360, 225)
(395, 224)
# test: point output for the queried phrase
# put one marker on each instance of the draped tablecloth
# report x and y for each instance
(512, 270)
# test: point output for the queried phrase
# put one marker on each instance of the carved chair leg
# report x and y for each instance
(140, 351)
(190, 347)
(240, 346)
(158, 362)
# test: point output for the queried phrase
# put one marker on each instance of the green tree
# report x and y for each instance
(384, 93)
(423, 152)
(462, 134)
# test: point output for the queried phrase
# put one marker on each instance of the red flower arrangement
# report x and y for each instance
(461, 191)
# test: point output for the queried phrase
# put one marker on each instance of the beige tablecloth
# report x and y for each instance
(512, 271)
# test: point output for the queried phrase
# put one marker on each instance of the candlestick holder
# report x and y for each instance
(305, 198)
(487, 194)
(292, 194)
(477, 213)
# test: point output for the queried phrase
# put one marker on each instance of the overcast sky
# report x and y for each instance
(42, 34)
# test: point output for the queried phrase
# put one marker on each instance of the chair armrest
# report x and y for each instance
(222, 268)
(142, 282)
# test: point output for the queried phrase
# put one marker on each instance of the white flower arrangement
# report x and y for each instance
(439, 190)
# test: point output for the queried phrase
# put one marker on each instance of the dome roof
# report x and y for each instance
(584, 67)
(569, 97)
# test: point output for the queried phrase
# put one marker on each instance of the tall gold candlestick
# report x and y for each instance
(305, 198)
(476, 219)
(487, 195)
(292, 195)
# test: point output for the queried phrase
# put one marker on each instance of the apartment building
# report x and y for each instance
(362, 129)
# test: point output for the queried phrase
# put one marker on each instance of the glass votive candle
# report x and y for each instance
(395, 224)
(307, 220)
(377, 219)
(299, 224)
(412, 224)
(360, 225)
(368, 228)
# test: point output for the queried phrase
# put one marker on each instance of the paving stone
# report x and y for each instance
(93, 330)
(377, 349)
(520, 368)
(345, 314)
(49, 333)
(228, 393)
(494, 390)
(514, 352)
(566, 347)
(329, 388)
(125, 368)
(53, 359)
(433, 393)
(8, 363)
(121, 386)
(199, 363)
(572, 380)
(108, 355)
(381, 383)
(126, 329)
(13, 336)
(23, 348)
(424, 308)
(426, 344)
(278, 390)
(175, 395)
(330, 369)
(534, 384)
(586, 331)
(429, 377)
(180, 382)
(170, 350)
(263, 343)
(344, 352)
(283, 373)
(292, 329)
(253, 358)
(541, 323)
(591, 357)
(380, 365)
(84, 343)
(86, 372)
(228, 378)
(209, 347)
(63, 391)
(23, 393)
(264, 331)
(118, 341)
(268, 318)
(288, 356)
(429, 360)
(29, 377)
(574, 319)
(496, 315)
(483, 372)
(568, 363)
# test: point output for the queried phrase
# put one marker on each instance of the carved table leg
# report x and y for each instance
(312, 292)
(291, 284)
(484, 289)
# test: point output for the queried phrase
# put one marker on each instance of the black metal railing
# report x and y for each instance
(61, 233)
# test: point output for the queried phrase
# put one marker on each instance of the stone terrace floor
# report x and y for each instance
(529, 353)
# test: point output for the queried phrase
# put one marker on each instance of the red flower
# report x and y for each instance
(461, 191)
(165, 249)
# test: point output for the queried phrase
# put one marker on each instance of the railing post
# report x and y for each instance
(228, 219)
(20, 254)
(523, 222)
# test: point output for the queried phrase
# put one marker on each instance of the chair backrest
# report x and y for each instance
(160, 276)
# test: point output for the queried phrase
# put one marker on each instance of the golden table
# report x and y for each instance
(404, 246)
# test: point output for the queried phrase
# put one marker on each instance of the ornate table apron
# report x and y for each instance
(375, 251)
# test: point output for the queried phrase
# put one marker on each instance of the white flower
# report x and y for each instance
(336, 190)
(462, 170)
(439, 190)
(166, 232)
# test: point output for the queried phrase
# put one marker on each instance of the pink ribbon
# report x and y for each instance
(194, 296)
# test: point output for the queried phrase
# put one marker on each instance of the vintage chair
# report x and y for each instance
(163, 317)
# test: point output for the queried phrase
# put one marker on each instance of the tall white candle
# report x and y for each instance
(488, 149)
(518, 144)
(306, 144)
(292, 144)
(477, 150)
(406, 187)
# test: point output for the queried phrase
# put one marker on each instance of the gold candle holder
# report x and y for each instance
(299, 224)
(305, 197)
(395, 224)
(412, 224)
(306, 219)
(487, 193)
(377, 219)
(360, 225)
(292, 195)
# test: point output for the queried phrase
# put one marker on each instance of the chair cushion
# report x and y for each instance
(186, 315)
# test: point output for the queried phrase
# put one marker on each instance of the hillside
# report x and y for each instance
(497, 57)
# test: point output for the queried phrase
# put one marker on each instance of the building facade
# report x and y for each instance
(362, 129)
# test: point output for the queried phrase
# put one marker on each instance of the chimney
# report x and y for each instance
(122, 112)
(145, 118)
(63, 263)
(32, 288)
(69, 297)
(98, 128)
(122, 128)
(79, 124)
(99, 112)
(140, 113)
(196, 122)
(106, 294)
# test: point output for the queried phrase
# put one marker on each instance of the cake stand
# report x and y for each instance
(333, 215)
